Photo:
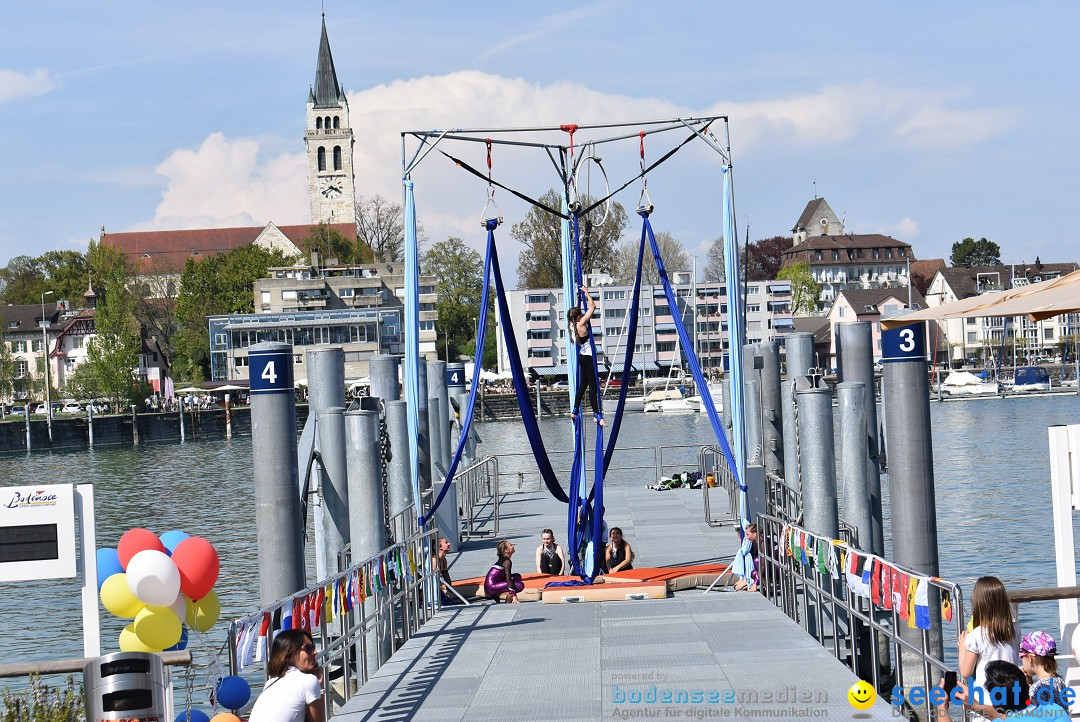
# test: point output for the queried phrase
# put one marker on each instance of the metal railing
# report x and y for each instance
(630, 464)
(478, 496)
(357, 642)
(713, 467)
(850, 624)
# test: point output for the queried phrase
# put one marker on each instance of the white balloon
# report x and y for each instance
(153, 578)
(180, 607)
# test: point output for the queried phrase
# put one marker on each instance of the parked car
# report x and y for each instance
(17, 410)
(561, 385)
(72, 407)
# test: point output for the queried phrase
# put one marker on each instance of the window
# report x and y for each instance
(642, 348)
(753, 308)
(753, 325)
(337, 157)
(265, 298)
(614, 313)
(540, 333)
(613, 330)
(972, 336)
(346, 292)
(427, 325)
(240, 362)
(665, 347)
(20, 347)
(318, 123)
(614, 295)
(21, 367)
(320, 157)
(646, 311)
(337, 122)
(752, 290)
(843, 311)
(540, 353)
(536, 298)
(220, 340)
(39, 346)
(1048, 334)
(288, 295)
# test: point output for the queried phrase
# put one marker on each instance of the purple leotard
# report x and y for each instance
(495, 584)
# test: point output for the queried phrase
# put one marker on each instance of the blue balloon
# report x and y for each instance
(182, 644)
(197, 715)
(170, 539)
(108, 563)
(233, 692)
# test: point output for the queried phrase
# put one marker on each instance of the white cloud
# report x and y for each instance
(223, 183)
(905, 229)
(15, 85)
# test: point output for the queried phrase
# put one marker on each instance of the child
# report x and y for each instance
(745, 566)
(1037, 651)
(994, 637)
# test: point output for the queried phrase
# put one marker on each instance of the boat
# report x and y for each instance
(671, 401)
(963, 383)
(1030, 378)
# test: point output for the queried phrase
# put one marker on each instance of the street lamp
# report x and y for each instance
(45, 353)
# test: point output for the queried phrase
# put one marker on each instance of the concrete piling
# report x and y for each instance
(799, 355)
(772, 423)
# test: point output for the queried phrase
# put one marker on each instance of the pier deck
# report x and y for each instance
(537, 661)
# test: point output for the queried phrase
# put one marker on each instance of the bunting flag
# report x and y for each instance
(886, 586)
(946, 606)
(902, 600)
(260, 643)
(382, 571)
(913, 590)
(802, 548)
(412, 562)
(300, 612)
(286, 616)
(875, 582)
(895, 584)
(866, 576)
(922, 604)
(831, 562)
(853, 571)
(328, 603)
(361, 590)
(822, 555)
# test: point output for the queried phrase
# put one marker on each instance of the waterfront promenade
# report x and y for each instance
(725, 654)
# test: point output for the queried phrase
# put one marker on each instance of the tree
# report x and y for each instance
(804, 289)
(221, 284)
(7, 367)
(762, 258)
(332, 244)
(459, 281)
(714, 266)
(22, 281)
(67, 273)
(155, 309)
(540, 262)
(969, 253)
(671, 251)
(381, 225)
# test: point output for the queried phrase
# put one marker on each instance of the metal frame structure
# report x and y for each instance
(566, 165)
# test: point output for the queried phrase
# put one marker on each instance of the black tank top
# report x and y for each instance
(618, 554)
(550, 564)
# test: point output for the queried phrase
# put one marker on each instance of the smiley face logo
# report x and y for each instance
(861, 695)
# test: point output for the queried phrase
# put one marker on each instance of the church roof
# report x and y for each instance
(327, 92)
(167, 251)
(812, 207)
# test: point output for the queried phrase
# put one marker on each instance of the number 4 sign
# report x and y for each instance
(271, 371)
(906, 343)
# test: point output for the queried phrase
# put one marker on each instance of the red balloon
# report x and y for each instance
(135, 541)
(199, 566)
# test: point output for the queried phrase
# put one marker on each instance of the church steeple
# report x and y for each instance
(326, 93)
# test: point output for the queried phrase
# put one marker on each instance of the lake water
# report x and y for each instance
(990, 458)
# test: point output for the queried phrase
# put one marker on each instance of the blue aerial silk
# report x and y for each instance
(411, 322)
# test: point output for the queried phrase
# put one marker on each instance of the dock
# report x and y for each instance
(692, 655)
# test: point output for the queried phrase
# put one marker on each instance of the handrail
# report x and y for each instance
(476, 485)
(815, 600)
(709, 467)
(67, 665)
(1043, 594)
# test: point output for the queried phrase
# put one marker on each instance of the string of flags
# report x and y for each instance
(338, 597)
(867, 576)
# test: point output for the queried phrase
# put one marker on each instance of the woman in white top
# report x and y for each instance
(577, 325)
(292, 693)
(994, 637)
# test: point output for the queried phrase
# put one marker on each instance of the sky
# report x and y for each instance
(926, 121)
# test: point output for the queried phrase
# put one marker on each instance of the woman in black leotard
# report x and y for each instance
(549, 555)
(619, 555)
(578, 328)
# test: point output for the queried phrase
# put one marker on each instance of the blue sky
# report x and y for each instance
(926, 121)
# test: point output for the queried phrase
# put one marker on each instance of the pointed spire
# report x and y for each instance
(326, 93)
(90, 296)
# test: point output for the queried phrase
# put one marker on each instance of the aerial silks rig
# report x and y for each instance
(585, 503)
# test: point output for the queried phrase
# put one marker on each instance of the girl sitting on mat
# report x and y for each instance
(549, 555)
(500, 578)
(745, 566)
(618, 555)
(578, 328)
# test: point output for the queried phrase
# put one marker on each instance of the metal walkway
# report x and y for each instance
(743, 657)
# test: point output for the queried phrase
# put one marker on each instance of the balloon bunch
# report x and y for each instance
(161, 584)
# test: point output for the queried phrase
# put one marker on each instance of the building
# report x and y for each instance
(357, 307)
(538, 317)
(977, 339)
(869, 304)
(841, 260)
(22, 335)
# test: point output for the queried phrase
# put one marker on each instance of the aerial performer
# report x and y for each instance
(500, 578)
(578, 327)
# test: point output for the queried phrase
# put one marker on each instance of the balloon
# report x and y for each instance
(233, 692)
(130, 642)
(171, 538)
(199, 566)
(225, 717)
(108, 563)
(153, 578)
(117, 597)
(196, 715)
(182, 644)
(135, 541)
(204, 613)
(181, 606)
(157, 627)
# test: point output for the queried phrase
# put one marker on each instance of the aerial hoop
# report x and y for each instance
(591, 156)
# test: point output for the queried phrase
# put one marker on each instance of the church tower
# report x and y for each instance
(329, 141)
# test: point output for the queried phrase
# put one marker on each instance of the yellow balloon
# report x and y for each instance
(157, 627)
(130, 642)
(204, 613)
(117, 597)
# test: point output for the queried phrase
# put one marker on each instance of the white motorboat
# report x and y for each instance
(671, 401)
(963, 383)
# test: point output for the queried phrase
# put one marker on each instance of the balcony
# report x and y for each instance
(539, 343)
(534, 307)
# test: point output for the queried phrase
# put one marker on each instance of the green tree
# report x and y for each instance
(332, 244)
(714, 265)
(381, 225)
(7, 367)
(540, 261)
(22, 281)
(220, 284)
(804, 289)
(671, 250)
(969, 253)
(459, 281)
(67, 274)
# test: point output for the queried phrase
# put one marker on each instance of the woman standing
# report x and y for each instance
(292, 692)
(578, 328)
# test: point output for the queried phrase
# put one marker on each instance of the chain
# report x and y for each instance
(189, 686)
(798, 446)
(385, 453)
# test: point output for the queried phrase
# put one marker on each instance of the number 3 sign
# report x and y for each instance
(906, 343)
